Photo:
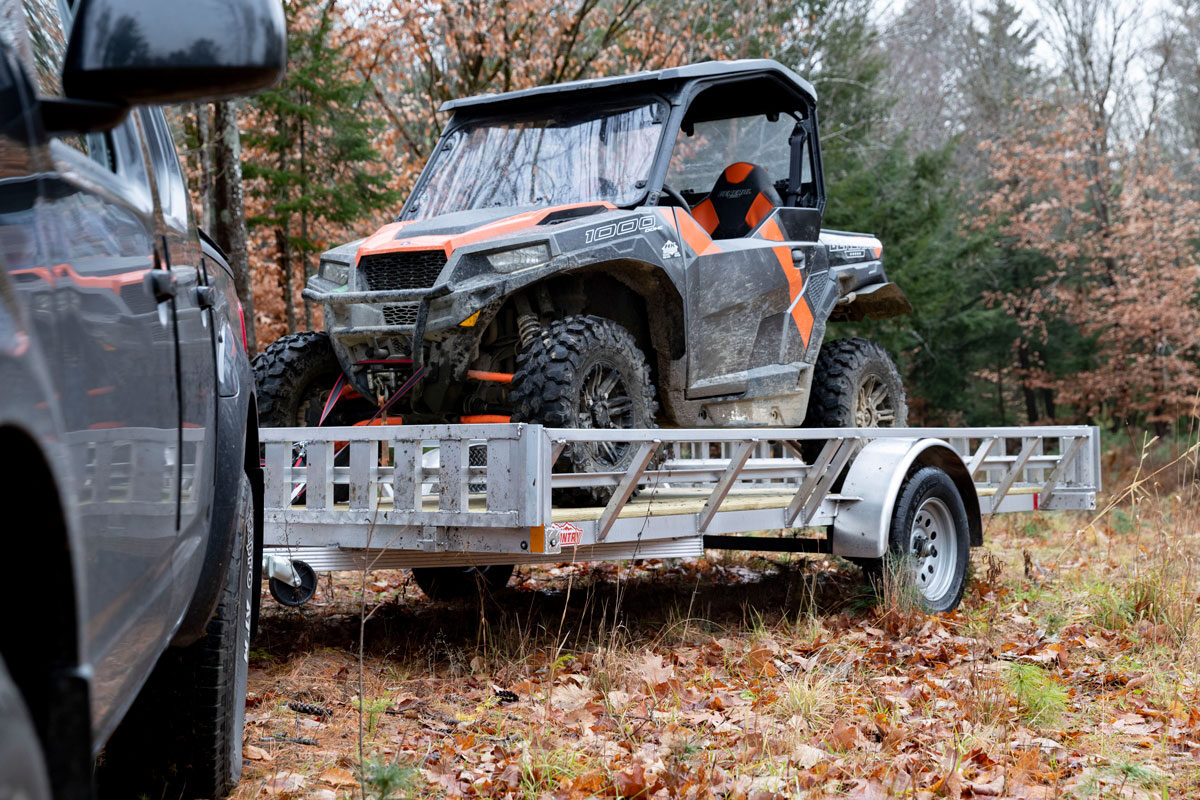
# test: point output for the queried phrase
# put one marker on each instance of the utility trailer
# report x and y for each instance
(469, 496)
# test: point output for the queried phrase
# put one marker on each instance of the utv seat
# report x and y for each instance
(740, 199)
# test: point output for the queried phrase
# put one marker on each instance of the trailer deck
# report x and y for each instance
(461, 495)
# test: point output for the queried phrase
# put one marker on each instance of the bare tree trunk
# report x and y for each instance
(304, 229)
(204, 146)
(1031, 409)
(229, 217)
(285, 277)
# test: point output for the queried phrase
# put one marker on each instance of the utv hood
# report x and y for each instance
(451, 231)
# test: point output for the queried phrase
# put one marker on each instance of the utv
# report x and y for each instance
(620, 252)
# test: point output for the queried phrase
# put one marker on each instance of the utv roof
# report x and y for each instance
(662, 80)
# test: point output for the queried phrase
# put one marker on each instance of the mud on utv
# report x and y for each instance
(620, 252)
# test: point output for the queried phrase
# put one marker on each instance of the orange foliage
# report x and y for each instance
(1118, 227)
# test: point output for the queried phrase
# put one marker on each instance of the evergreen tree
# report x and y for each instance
(316, 162)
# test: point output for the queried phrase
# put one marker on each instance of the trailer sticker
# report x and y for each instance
(568, 533)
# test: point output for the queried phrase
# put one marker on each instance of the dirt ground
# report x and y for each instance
(1069, 671)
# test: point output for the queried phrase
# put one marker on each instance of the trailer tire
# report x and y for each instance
(198, 753)
(295, 375)
(855, 385)
(456, 583)
(929, 543)
(559, 381)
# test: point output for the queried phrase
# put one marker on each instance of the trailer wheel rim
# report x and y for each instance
(874, 406)
(605, 402)
(933, 549)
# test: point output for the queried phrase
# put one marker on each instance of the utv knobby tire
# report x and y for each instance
(845, 370)
(456, 583)
(295, 375)
(558, 382)
(183, 736)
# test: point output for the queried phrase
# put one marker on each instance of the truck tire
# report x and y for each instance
(855, 385)
(295, 375)
(183, 736)
(23, 771)
(456, 583)
(929, 545)
(585, 372)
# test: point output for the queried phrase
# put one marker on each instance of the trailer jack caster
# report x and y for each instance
(292, 582)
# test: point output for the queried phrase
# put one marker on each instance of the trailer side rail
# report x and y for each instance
(449, 494)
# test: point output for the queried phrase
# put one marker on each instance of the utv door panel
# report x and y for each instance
(733, 285)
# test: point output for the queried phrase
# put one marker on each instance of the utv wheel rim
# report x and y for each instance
(873, 407)
(604, 402)
(933, 549)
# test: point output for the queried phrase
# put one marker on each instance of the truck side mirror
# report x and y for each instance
(148, 52)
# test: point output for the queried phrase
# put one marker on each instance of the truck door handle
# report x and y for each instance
(206, 296)
(161, 284)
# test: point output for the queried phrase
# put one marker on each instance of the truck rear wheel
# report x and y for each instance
(456, 583)
(198, 752)
(295, 375)
(585, 372)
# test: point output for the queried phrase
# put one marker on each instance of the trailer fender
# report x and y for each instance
(874, 481)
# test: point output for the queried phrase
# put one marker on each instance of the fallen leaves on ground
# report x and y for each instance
(740, 677)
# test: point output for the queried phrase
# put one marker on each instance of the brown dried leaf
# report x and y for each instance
(283, 784)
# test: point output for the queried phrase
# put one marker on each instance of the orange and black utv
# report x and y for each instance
(630, 252)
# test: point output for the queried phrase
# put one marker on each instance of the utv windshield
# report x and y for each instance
(554, 161)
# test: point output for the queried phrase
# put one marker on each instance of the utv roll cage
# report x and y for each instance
(692, 93)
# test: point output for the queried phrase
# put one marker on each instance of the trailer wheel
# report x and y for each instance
(294, 596)
(855, 385)
(456, 583)
(295, 375)
(929, 541)
(199, 753)
(585, 372)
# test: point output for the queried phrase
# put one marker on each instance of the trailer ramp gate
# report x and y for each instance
(383, 497)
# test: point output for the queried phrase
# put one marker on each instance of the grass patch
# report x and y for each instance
(543, 771)
(1040, 699)
(808, 696)
(387, 780)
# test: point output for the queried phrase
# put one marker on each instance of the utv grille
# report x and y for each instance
(408, 270)
(401, 315)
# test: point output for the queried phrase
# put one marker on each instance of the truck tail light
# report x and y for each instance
(242, 317)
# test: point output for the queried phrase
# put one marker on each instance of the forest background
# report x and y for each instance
(1031, 169)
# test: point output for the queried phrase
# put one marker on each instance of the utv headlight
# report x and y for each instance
(335, 272)
(520, 258)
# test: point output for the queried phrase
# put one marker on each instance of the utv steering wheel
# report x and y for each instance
(676, 197)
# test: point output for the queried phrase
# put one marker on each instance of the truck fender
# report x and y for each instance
(874, 481)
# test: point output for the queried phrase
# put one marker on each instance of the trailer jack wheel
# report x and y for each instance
(293, 595)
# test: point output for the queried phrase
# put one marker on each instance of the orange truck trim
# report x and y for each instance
(388, 239)
(484, 419)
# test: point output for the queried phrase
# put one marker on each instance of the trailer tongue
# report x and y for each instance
(475, 495)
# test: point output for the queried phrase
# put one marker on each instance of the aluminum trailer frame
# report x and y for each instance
(685, 488)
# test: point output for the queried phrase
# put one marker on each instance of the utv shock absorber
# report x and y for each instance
(528, 324)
